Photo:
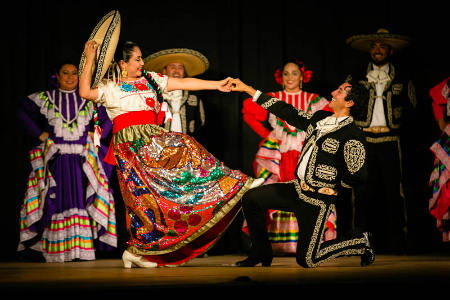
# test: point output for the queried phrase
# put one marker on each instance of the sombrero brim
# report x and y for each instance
(106, 33)
(363, 42)
(193, 61)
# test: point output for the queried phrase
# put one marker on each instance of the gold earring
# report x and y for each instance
(301, 84)
(282, 86)
(124, 73)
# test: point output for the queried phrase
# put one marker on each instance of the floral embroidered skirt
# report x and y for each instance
(179, 199)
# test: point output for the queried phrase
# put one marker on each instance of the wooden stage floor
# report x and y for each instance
(402, 274)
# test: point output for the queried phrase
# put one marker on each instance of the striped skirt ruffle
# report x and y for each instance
(439, 204)
(68, 204)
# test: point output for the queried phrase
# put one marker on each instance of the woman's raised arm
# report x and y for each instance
(90, 51)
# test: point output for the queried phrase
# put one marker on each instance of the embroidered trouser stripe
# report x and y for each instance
(315, 211)
(311, 210)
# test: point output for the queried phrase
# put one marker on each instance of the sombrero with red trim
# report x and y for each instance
(106, 33)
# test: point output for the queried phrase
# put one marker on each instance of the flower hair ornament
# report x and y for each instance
(306, 73)
(279, 76)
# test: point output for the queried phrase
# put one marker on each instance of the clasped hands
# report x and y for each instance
(236, 85)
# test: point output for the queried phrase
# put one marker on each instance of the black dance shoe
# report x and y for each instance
(368, 256)
(251, 262)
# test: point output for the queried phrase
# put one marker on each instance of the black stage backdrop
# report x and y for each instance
(245, 39)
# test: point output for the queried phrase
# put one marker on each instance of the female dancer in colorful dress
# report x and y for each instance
(179, 199)
(280, 149)
(439, 206)
(68, 202)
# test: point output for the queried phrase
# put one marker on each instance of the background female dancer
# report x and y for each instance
(280, 149)
(69, 201)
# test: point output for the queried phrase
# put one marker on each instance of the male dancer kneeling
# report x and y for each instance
(333, 156)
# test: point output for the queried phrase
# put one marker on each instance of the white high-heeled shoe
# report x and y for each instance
(129, 258)
(257, 182)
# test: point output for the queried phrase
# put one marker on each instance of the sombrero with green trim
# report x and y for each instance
(193, 61)
(363, 42)
(106, 33)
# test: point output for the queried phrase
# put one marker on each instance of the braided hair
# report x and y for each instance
(154, 85)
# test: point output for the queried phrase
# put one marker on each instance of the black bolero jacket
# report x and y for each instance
(338, 157)
(399, 95)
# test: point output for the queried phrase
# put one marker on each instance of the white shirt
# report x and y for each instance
(174, 98)
(118, 101)
(378, 117)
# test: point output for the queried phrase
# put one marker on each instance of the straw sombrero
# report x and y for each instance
(193, 61)
(363, 42)
(106, 33)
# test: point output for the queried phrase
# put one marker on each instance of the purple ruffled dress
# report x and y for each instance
(68, 202)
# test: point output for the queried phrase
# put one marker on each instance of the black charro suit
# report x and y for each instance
(380, 205)
(337, 160)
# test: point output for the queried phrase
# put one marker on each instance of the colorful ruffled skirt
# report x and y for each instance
(68, 204)
(439, 204)
(179, 199)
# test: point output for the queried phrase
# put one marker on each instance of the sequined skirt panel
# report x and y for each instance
(173, 189)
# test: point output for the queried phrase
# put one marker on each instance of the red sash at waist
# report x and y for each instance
(129, 119)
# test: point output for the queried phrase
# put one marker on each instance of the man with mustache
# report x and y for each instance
(186, 108)
(380, 205)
